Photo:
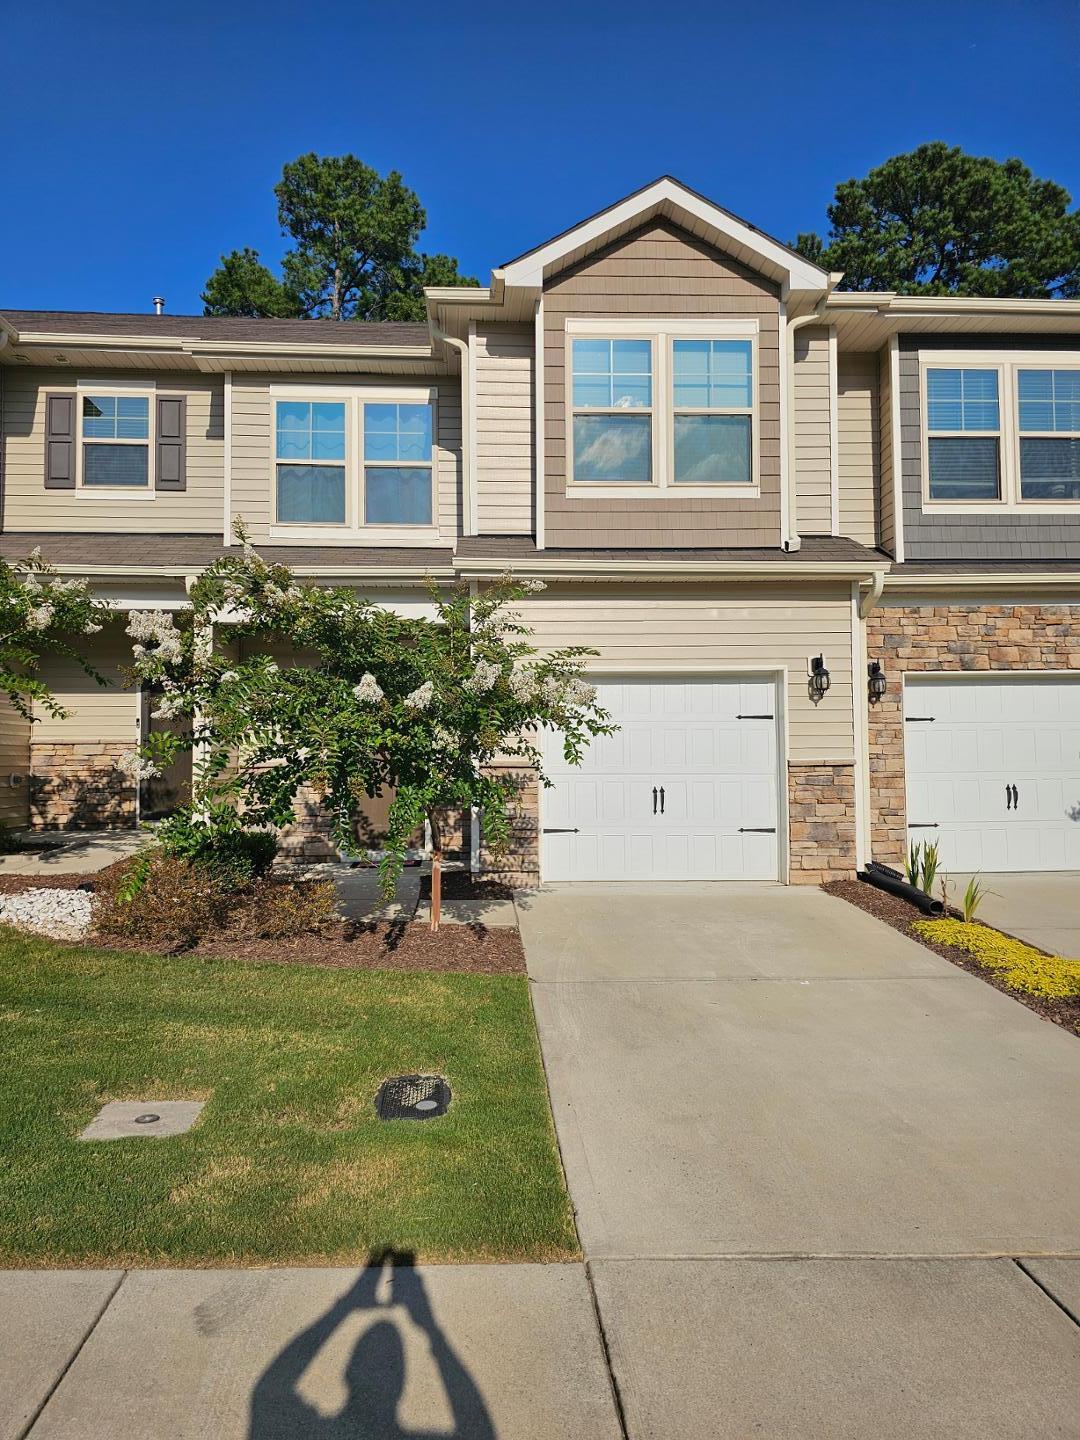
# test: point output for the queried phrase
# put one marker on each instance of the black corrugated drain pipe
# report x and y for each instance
(891, 880)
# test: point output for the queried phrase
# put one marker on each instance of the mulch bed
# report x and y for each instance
(380, 945)
(385, 945)
(461, 885)
(900, 915)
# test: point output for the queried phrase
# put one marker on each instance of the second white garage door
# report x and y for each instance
(993, 771)
(685, 790)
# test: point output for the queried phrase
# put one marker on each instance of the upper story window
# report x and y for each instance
(612, 398)
(1004, 434)
(310, 462)
(714, 408)
(672, 409)
(115, 439)
(1049, 414)
(354, 462)
(397, 465)
(963, 421)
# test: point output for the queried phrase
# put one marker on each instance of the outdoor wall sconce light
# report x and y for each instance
(876, 683)
(820, 679)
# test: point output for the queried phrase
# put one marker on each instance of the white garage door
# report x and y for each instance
(993, 771)
(685, 789)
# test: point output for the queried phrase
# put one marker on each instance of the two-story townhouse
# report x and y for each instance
(759, 498)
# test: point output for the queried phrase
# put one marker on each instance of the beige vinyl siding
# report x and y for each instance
(29, 506)
(504, 429)
(96, 713)
(859, 445)
(252, 484)
(687, 626)
(14, 761)
(886, 506)
(660, 270)
(813, 432)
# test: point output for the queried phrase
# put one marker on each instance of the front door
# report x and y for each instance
(161, 794)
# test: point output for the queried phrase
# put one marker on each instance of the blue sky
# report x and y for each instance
(142, 142)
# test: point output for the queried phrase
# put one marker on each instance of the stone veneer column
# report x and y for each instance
(76, 785)
(520, 865)
(959, 638)
(821, 822)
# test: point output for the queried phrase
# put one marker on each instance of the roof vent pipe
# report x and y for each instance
(159, 304)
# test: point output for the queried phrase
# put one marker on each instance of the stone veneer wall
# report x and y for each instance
(964, 637)
(520, 865)
(821, 821)
(77, 786)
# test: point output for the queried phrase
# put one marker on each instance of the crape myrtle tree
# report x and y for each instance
(42, 614)
(379, 702)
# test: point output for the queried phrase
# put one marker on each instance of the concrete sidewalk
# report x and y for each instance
(478, 1351)
(802, 1150)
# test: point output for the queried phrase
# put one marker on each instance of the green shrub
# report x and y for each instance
(168, 903)
(160, 900)
(217, 839)
(277, 909)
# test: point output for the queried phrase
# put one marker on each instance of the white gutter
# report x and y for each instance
(468, 486)
(370, 574)
(1002, 579)
(792, 541)
(636, 569)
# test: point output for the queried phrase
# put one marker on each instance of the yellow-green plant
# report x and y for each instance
(1020, 966)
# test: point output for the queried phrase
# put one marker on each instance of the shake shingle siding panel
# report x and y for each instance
(929, 535)
(660, 270)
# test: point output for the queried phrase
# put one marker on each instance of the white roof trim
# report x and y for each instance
(799, 274)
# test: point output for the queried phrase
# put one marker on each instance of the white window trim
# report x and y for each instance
(354, 530)
(329, 527)
(120, 389)
(1006, 363)
(661, 332)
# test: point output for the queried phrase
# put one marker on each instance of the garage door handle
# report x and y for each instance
(1016, 798)
(1008, 797)
(561, 830)
(654, 799)
(757, 830)
(661, 799)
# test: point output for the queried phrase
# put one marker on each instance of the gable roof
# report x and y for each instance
(671, 199)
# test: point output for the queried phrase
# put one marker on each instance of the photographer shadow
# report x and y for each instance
(375, 1373)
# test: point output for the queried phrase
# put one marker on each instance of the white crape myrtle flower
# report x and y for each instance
(483, 677)
(522, 683)
(168, 709)
(580, 692)
(443, 738)
(137, 766)
(90, 628)
(533, 587)
(40, 617)
(551, 689)
(227, 675)
(368, 692)
(420, 698)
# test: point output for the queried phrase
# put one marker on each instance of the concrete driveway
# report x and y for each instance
(1043, 909)
(805, 1154)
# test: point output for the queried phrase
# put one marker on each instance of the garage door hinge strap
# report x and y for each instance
(923, 825)
(755, 717)
(757, 829)
(561, 830)
(919, 719)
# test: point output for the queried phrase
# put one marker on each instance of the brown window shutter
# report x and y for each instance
(60, 441)
(171, 470)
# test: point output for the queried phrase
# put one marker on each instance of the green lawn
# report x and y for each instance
(287, 1161)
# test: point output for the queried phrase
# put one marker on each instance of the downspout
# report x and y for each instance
(792, 542)
(862, 607)
(468, 506)
(873, 595)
